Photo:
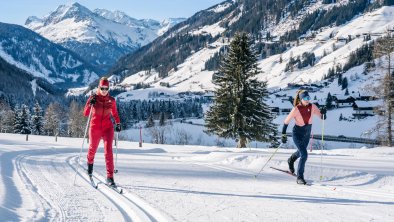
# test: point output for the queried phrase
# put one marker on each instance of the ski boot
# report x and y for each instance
(90, 169)
(111, 182)
(300, 180)
(291, 161)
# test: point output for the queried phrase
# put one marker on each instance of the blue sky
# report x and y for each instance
(17, 11)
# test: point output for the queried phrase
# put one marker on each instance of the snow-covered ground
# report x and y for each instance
(191, 183)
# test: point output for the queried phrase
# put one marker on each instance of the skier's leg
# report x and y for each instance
(108, 137)
(303, 158)
(301, 139)
(302, 136)
(296, 154)
(291, 161)
(94, 140)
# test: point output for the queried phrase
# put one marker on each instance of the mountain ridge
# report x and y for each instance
(89, 33)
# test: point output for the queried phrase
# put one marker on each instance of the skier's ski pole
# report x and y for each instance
(83, 142)
(262, 168)
(311, 143)
(321, 154)
(116, 155)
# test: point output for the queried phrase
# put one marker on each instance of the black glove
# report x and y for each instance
(284, 138)
(118, 127)
(323, 112)
(93, 100)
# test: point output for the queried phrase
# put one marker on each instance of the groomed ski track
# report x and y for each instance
(290, 179)
(186, 183)
(62, 197)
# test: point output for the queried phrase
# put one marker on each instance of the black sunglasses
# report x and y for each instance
(104, 88)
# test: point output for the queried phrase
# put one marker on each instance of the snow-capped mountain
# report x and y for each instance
(330, 32)
(90, 33)
(43, 59)
(158, 28)
(123, 18)
(166, 24)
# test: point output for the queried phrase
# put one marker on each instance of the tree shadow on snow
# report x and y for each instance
(295, 198)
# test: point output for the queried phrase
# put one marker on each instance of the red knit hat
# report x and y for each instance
(104, 82)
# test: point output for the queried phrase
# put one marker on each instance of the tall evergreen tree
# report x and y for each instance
(150, 122)
(15, 123)
(239, 110)
(329, 101)
(344, 83)
(22, 121)
(37, 120)
(339, 79)
(162, 121)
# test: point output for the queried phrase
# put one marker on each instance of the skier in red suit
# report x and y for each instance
(101, 127)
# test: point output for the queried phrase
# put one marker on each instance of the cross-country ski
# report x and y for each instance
(92, 182)
(291, 174)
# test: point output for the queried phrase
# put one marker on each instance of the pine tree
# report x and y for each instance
(22, 120)
(239, 110)
(162, 121)
(344, 83)
(150, 122)
(37, 120)
(346, 92)
(339, 79)
(329, 101)
(15, 123)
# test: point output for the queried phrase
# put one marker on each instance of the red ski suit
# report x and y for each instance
(101, 126)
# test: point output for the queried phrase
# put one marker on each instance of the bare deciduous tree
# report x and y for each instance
(385, 91)
(52, 119)
(76, 120)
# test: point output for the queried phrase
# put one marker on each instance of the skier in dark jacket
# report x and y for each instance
(101, 127)
(302, 114)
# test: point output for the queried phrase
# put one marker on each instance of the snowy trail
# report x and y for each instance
(190, 183)
(135, 207)
(45, 176)
(217, 191)
(316, 184)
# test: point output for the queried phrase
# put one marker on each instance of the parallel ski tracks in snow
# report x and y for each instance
(131, 204)
(315, 185)
(54, 199)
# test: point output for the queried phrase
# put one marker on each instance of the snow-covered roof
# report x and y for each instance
(340, 97)
(364, 104)
(283, 105)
